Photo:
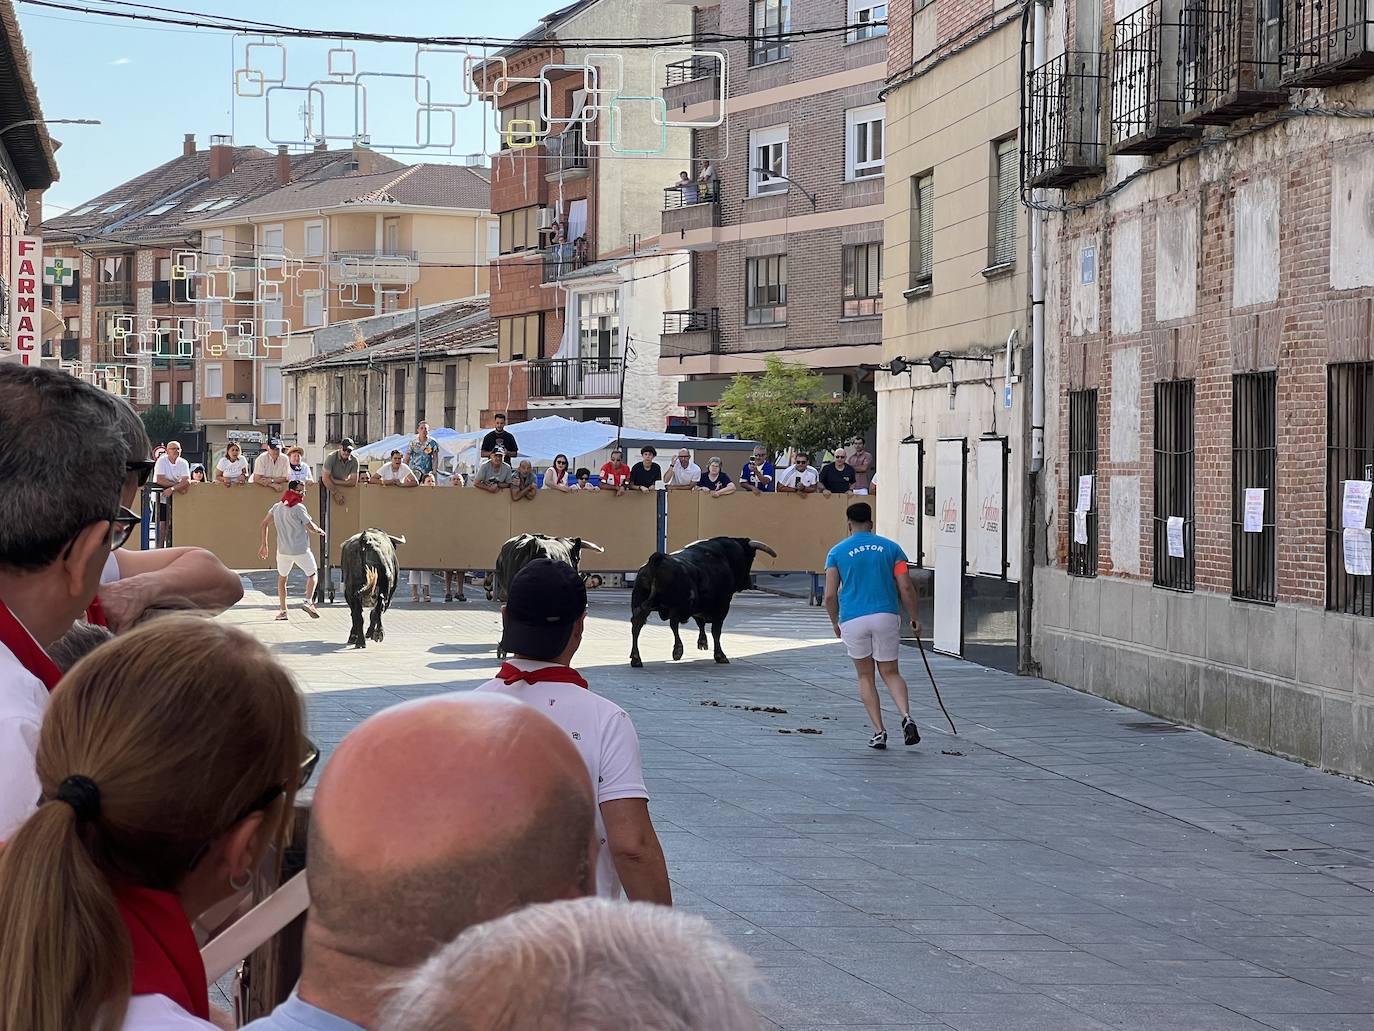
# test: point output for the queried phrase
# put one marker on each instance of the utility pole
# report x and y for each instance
(419, 386)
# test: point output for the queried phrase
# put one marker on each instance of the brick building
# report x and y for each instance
(955, 319)
(27, 162)
(576, 188)
(1209, 366)
(785, 233)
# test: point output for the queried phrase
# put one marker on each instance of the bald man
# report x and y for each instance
(432, 817)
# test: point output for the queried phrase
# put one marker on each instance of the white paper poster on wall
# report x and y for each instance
(991, 511)
(1254, 510)
(949, 546)
(908, 529)
(1355, 545)
(1175, 535)
(1355, 504)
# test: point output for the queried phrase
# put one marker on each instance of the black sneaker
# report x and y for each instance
(878, 740)
(909, 731)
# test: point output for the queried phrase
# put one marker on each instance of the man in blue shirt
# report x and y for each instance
(866, 585)
(758, 473)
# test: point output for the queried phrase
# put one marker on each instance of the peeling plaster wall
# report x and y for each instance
(1125, 436)
(1352, 220)
(1126, 277)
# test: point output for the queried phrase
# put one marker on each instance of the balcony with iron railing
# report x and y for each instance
(567, 156)
(1324, 42)
(1145, 94)
(691, 206)
(1062, 107)
(694, 80)
(1228, 61)
(692, 331)
(552, 379)
(562, 259)
(118, 292)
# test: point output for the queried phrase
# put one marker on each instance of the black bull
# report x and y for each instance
(370, 574)
(524, 548)
(695, 583)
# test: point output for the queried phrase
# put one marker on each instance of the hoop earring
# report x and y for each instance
(247, 880)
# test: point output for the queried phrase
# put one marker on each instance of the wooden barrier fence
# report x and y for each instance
(464, 529)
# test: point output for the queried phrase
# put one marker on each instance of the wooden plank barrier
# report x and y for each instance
(626, 526)
(684, 518)
(444, 527)
(801, 529)
(226, 521)
(344, 520)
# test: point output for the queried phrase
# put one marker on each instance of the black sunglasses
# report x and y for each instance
(142, 466)
(122, 527)
(309, 761)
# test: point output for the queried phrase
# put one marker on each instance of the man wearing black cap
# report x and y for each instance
(272, 468)
(340, 470)
(543, 618)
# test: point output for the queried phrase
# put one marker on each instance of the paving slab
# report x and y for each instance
(1059, 864)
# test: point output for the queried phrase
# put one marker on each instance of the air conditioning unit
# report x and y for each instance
(237, 398)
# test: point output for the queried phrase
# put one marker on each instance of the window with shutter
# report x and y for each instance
(922, 229)
(862, 286)
(1006, 179)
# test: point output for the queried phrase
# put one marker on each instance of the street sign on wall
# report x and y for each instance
(26, 318)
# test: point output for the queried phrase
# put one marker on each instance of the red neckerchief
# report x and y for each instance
(509, 674)
(292, 498)
(166, 958)
(24, 648)
(95, 613)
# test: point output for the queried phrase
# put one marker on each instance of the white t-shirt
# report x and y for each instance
(305, 474)
(676, 476)
(551, 478)
(390, 475)
(159, 1013)
(604, 734)
(235, 470)
(264, 466)
(174, 471)
(23, 699)
(790, 477)
(109, 573)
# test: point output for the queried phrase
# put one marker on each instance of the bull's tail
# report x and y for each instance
(369, 592)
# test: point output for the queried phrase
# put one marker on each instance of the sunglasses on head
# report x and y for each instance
(142, 466)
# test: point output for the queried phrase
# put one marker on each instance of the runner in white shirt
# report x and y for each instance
(232, 469)
(543, 619)
(683, 473)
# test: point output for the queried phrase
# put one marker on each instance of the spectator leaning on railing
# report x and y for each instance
(758, 475)
(683, 473)
(615, 474)
(396, 473)
(232, 469)
(799, 477)
(495, 474)
(558, 476)
(523, 485)
(272, 469)
(646, 475)
(340, 470)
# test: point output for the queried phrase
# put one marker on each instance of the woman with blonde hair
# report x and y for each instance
(169, 762)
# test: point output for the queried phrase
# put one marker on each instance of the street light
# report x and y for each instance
(49, 121)
(768, 173)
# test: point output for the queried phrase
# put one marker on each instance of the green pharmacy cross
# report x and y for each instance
(57, 272)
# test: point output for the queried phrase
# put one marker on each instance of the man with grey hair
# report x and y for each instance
(60, 518)
(401, 862)
(586, 965)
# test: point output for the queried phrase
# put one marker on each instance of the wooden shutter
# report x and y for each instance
(1004, 218)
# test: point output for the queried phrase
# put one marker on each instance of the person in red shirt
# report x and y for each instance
(615, 473)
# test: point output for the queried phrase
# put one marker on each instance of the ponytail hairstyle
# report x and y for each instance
(175, 732)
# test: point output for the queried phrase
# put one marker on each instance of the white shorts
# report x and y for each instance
(305, 563)
(877, 636)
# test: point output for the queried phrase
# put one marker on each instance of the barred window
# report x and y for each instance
(766, 297)
(1254, 397)
(1349, 456)
(1174, 483)
(922, 228)
(1005, 201)
(1083, 462)
(863, 279)
(398, 401)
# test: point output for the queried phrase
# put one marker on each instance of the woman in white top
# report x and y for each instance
(232, 469)
(558, 476)
(169, 762)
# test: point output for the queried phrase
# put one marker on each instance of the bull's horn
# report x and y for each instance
(760, 546)
(591, 544)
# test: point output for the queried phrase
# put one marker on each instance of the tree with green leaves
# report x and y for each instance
(766, 408)
(160, 423)
(831, 425)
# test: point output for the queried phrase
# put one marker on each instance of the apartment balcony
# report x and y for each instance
(555, 379)
(566, 156)
(691, 208)
(1325, 42)
(690, 332)
(695, 80)
(1228, 64)
(1063, 105)
(121, 293)
(1146, 100)
(381, 266)
(562, 259)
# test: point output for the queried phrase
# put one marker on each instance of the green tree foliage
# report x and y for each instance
(787, 407)
(160, 423)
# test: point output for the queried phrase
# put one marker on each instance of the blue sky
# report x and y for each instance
(151, 86)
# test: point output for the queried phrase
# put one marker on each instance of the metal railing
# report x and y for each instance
(114, 293)
(1146, 69)
(562, 259)
(1063, 101)
(1326, 41)
(574, 377)
(376, 252)
(1083, 462)
(568, 149)
(1253, 454)
(691, 331)
(690, 70)
(688, 194)
(1228, 60)
(1349, 456)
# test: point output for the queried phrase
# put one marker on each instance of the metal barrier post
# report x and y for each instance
(146, 524)
(662, 520)
(325, 572)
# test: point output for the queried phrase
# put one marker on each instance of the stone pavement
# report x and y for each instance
(1063, 864)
